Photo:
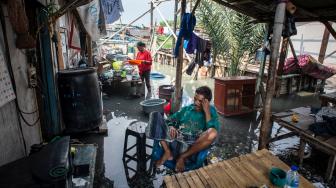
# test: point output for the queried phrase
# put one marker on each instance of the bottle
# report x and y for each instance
(292, 179)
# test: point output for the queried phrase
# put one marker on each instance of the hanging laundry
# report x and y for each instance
(112, 10)
(200, 51)
(192, 43)
(89, 14)
(186, 29)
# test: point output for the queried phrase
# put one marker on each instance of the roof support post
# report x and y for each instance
(266, 126)
(324, 45)
(179, 65)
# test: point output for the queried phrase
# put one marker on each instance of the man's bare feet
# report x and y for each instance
(166, 156)
(180, 164)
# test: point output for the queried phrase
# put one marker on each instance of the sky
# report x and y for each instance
(134, 8)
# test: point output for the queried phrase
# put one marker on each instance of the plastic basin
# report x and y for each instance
(152, 105)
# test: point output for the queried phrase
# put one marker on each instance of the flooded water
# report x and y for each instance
(238, 134)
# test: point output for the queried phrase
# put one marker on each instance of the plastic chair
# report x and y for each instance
(195, 161)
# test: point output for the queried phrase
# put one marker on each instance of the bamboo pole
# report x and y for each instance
(179, 65)
(324, 45)
(266, 126)
(163, 43)
(175, 27)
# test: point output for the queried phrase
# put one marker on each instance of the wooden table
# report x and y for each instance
(328, 98)
(244, 171)
(301, 128)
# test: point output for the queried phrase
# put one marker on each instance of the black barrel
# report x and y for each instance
(80, 99)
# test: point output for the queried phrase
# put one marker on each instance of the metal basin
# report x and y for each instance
(152, 105)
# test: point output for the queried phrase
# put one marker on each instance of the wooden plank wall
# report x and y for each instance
(11, 145)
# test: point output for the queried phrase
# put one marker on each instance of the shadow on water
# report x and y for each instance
(238, 134)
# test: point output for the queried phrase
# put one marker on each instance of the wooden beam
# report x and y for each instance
(179, 66)
(60, 59)
(324, 45)
(330, 28)
(281, 137)
(266, 126)
(221, 2)
(240, 2)
(283, 55)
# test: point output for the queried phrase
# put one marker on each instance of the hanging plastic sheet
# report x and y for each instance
(90, 17)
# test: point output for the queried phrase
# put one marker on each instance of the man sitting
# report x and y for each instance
(188, 131)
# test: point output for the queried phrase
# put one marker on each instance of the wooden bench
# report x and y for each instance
(301, 129)
(251, 170)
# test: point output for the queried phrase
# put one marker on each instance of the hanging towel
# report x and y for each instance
(186, 29)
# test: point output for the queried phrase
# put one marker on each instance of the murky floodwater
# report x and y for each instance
(238, 134)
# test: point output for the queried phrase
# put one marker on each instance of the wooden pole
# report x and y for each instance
(89, 50)
(324, 45)
(266, 126)
(292, 48)
(175, 26)
(190, 5)
(283, 56)
(151, 18)
(179, 65)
